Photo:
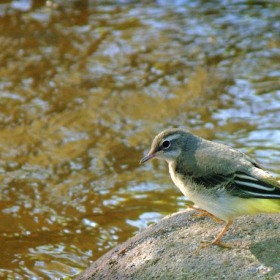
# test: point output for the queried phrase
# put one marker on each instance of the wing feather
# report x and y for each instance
(242, 185)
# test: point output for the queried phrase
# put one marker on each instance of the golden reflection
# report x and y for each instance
(83, 91)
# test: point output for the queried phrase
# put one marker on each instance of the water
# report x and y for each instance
(85, 86)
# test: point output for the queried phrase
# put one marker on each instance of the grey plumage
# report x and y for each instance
(211, 164)
(219, 179)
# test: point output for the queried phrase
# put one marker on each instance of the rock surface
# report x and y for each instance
(170, 249)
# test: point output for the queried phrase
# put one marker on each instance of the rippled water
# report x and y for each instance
(86, 85)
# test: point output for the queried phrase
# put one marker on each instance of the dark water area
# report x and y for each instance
(84, 88)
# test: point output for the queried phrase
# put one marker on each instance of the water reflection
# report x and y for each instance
(84, 89)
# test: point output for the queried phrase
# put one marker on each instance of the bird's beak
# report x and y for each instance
(147, 157)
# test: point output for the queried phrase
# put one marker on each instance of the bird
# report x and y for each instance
(221, 181)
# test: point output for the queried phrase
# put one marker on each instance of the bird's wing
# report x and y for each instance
(264, 186)
(258, 185)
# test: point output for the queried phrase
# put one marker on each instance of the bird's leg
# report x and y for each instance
(217, 240)
(204, 213)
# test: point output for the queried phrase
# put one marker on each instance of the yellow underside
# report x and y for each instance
(229, 208)
(260, 205)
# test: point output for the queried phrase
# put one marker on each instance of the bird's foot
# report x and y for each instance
(215, 242)
(204, 213)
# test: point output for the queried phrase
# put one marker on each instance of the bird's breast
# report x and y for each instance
(179, 181)
(220, 203)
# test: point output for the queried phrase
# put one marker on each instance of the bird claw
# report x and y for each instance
(204, 213)
(215, 242)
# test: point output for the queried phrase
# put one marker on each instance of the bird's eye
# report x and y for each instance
(166, 144)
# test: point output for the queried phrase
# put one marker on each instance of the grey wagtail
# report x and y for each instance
(223, 182)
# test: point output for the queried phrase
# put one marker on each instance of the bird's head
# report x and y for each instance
(168, 145)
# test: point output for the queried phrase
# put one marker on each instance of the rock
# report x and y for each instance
(170, 249)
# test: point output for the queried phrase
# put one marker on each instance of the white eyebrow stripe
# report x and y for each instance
(247, 177)
(171, 137)
(253, 185)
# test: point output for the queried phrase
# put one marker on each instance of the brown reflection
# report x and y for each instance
(85, 86)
